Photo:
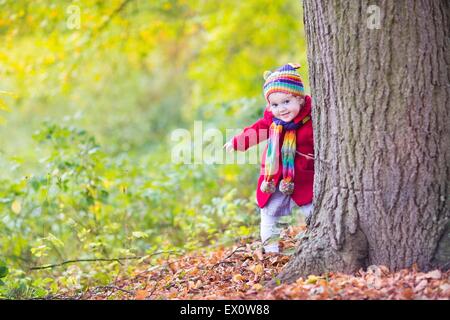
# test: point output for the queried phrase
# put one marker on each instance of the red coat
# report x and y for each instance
(304, 166)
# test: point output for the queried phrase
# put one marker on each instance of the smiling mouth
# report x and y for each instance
(284, 114)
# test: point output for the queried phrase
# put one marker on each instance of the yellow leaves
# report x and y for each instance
(29, 19)
(312, 279)
(3, 106)
(191, 29)
(257, 269)
(4, 22)
(238, 277)
(96, 208)
(54, 14)
(16, 207)
(229, 173)
(98, 77)
(92, 191)
(245, 231)
(167, 6)
(83, 233)
(49, 59)
(40, 251)
(106, 183)
(257, 287)
(123, 188)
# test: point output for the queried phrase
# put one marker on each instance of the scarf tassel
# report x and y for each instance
(267, 186)
(286, 186)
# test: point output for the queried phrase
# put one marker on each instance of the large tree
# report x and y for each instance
(381, 92)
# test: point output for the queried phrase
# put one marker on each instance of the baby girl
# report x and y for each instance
(287, 166)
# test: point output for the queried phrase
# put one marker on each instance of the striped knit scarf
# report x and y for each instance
(288, 151)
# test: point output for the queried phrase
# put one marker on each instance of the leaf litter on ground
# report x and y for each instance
(243, 272)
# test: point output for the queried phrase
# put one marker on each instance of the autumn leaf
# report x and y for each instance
(173, 266)
(238, 277)
(257, 287)
(257, 269)
(408, 293)
(258, 255)
(141, 294)
(435, 274)
(312, 279)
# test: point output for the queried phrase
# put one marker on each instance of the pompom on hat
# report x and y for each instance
(284, 79)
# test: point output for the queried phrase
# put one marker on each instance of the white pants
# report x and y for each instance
(269, 228)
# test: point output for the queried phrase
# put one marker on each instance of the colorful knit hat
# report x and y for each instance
(284, 79)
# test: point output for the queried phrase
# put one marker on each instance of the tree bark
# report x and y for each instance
(381, 122)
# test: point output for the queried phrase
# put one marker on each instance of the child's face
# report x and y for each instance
(285, 106)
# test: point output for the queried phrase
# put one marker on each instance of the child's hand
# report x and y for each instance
(229, 146)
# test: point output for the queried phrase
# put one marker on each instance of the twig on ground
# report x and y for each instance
(115, 288)
(102, 259)
(227, 257)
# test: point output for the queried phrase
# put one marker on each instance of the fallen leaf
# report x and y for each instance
(257, 269)
(141, 294)
(408, 293)
(422, 284)
(258, 255)
(312, 279)
(435, 274)
(257, 287)
(174, 267)
(238, 277)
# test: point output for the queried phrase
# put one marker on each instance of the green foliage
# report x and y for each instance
(87, 204)
(85, 120)
(3, 272)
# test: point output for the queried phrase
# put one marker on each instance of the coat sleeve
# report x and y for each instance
(254, 134)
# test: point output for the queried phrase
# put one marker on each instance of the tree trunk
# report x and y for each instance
(382, 141)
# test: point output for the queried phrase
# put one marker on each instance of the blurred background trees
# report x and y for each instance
(89, 94)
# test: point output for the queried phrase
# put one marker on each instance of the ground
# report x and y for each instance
(242, 272)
